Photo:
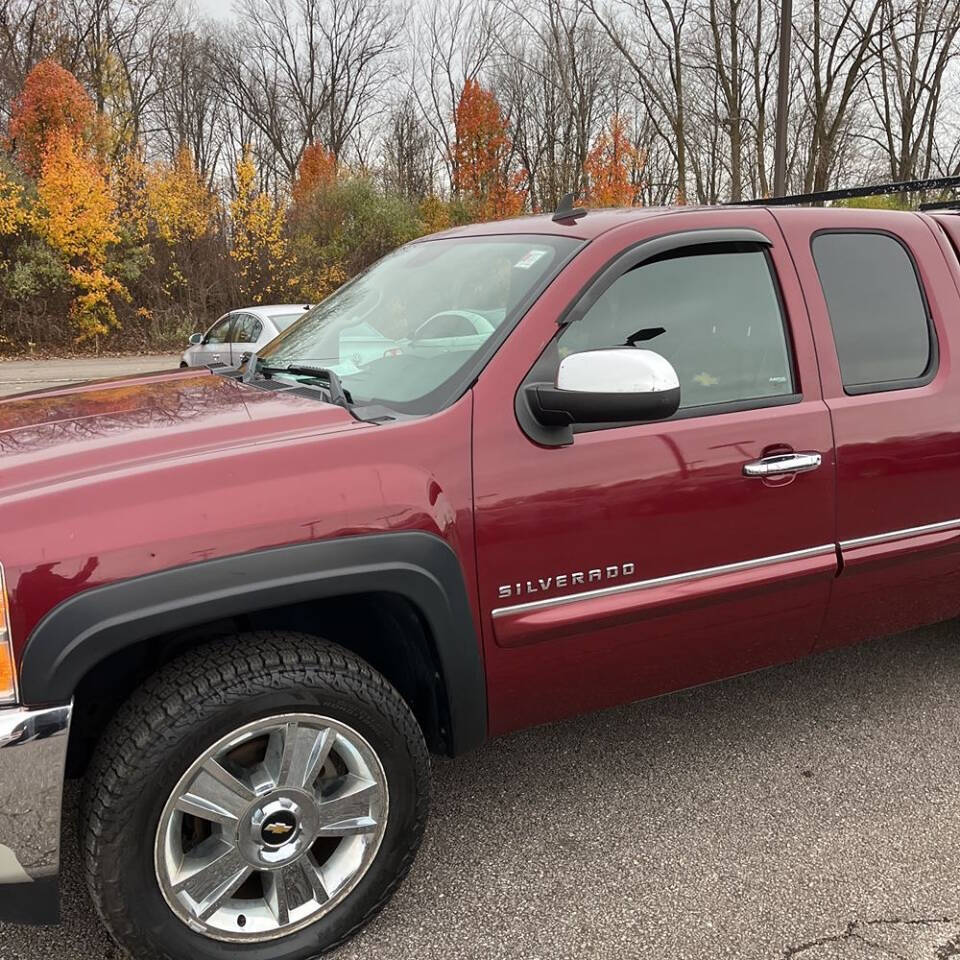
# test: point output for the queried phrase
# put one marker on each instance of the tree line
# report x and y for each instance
(158, 168)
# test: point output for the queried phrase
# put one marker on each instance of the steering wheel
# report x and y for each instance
(479, 323)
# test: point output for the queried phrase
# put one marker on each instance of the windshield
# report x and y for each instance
(405, 332)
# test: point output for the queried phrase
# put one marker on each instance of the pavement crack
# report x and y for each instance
(915, 921)
(795, 951)
(855, 930)
(879, 946)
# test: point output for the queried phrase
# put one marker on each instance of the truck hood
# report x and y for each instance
(57, 435)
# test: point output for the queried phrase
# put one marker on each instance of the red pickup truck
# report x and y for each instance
(511, 473)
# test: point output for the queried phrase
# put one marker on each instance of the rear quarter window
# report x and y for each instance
(283, 320)
(878, 313)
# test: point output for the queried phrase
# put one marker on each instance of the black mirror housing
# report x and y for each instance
(555, 407)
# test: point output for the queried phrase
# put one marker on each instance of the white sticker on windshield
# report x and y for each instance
(529, 259)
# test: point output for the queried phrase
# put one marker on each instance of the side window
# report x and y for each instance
(713, 312)
(220, 331)
(880, 321)
(248, 329)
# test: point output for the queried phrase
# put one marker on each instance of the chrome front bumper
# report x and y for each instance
(33, 751)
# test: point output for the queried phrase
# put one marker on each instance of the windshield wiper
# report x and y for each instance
(338, 395)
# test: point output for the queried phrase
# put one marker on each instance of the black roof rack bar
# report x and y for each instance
(851, 193)
(944, 205)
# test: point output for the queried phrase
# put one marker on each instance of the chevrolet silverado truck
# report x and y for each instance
(511, 473)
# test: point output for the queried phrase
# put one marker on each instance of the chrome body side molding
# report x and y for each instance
(891, 536)
(664, 581)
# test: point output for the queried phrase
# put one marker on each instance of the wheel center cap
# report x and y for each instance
(279, 828)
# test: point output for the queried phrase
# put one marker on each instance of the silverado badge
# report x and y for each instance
(561, 581)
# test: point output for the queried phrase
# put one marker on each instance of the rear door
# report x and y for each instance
(880, 287)
(246, 333)
(642, 558)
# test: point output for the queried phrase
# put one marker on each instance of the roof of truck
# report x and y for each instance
(585, 227)
(599, 221)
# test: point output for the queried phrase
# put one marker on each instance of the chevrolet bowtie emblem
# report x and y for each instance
(278, 829)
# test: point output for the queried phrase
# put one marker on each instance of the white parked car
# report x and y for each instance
(239, 332)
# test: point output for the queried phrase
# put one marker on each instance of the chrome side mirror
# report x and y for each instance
(195, 339)
(621, 385)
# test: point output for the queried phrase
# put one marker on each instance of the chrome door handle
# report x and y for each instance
(782, 463)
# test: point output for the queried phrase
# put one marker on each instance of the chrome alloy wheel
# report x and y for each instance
(271, 828)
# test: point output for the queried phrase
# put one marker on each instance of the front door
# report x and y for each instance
(643, 558)
(215, 346)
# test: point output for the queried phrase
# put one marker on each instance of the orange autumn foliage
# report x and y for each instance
(612, 167)
(52, 100)
(317, 168)
(481, 156)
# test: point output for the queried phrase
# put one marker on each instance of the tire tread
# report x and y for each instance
(179, 696)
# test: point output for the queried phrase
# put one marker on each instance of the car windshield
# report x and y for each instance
(403, 333)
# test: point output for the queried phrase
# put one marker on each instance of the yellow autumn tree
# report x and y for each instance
(181, 210)
(434, 213)
(13, 215)
(13, 212)
(129, 186)
(259, 248)
(76, 214)
(179, 203)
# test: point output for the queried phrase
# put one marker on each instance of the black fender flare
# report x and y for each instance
(86, 628)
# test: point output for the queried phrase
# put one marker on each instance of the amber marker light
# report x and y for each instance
(8, 676)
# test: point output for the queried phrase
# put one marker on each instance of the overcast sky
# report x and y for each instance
(220, 9)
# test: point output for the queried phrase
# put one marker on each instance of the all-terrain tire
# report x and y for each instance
(191, 704)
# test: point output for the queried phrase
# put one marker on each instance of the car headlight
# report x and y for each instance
(8, 673)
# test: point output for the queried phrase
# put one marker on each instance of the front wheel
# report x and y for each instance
(259, 798)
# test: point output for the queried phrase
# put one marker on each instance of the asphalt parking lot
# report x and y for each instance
(17, 376)
(811, 811)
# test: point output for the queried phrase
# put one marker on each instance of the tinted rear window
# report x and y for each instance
(877, 311)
